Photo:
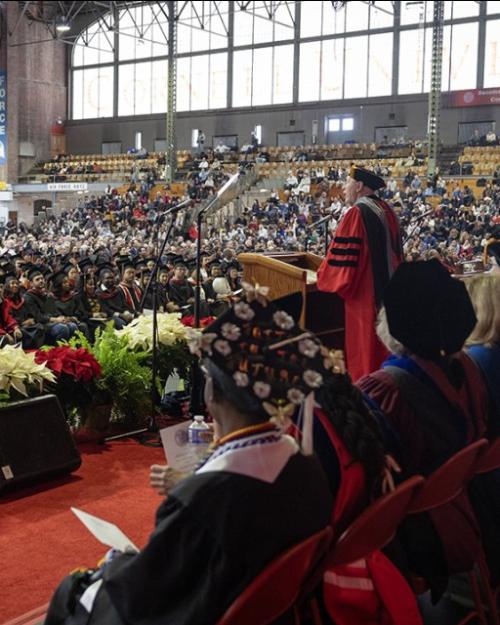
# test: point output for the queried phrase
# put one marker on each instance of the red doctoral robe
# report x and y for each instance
(364, 254)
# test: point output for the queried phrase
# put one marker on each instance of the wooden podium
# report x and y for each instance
(285, 273)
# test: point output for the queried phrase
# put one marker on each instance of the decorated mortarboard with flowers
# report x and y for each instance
(259, 345)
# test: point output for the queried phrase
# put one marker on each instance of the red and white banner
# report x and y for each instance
(472, 97)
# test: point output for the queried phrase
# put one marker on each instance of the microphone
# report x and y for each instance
(419, 217)
(220, 193)
(178, 207)
(319, 222)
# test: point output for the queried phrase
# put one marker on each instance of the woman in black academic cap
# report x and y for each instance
(66, 302)
(435, 402)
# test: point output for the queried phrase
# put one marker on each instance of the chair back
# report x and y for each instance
(449, 480)
(276, 588)
(376, 526)
(490, 458)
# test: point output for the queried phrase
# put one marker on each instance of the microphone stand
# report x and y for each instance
(197, 403)
(320, 222)
(416, 221)
(152, 286)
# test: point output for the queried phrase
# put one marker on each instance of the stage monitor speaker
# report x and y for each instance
(35, 442)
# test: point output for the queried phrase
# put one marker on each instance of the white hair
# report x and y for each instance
(384, 334)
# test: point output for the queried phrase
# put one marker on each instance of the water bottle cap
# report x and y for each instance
(199, 418)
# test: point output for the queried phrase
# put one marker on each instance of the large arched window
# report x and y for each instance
(244, 54)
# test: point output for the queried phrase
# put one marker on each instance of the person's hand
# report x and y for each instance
(7, 339)
(28, 323)
(18, 335)
(163, 478)
(391, 466)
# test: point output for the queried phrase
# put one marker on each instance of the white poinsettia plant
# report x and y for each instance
(139, 333)
(19, 372)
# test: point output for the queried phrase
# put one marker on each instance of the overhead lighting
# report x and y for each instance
(63, 25)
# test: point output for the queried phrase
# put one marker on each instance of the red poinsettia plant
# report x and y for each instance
(188, 321)
(76, 371)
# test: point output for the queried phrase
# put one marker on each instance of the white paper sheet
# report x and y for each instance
(105, 532)
(180, 454)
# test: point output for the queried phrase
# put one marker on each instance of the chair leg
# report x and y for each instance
(478, 601)
(484, 578)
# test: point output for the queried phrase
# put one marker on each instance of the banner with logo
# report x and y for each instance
(3, 117)
(472, 97)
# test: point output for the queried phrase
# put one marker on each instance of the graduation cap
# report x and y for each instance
(125, 262)
(179, 261)
(56, 279)
(32, 271)
(103, 268)
(427, 310)
(85, 265)
(140, 265)
(367, 177)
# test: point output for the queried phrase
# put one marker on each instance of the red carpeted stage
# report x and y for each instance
(40, 538)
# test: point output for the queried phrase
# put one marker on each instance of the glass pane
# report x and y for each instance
(106, 41)
(356, 64)
(78, 94)
(464, 57)
(283, 22)
(200, 38)
(143, 89)
(333, 124)
(78, 52)
(199, 82)
(380, 73)
(357, 16)
(428, 60)
(218, 81)
(411, 61)
(243, 24)
(159, 82)
(92, 50)
(283, 74)
(91, 93)
(309, 71)
(106, 91)
(492, 55)
(381, 15)
(347, 124)
(333, 21)
(445, 74)
(493, 7)
(158, 35)
(126, 91)
(465, 9)
(332, 69)
(126, 41)
(183, 83)
(183, 38)
(242, 78)
(263, 26)
(310, 19)
(262, 76)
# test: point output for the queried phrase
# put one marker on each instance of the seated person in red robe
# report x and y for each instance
(435, 401)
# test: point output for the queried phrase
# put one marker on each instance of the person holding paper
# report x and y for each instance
(255, 496)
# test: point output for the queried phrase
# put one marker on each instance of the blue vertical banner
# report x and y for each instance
(3, 117)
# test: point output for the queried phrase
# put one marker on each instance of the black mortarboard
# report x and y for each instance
(85, 265)
(179, 262)
(427, 310)
(125, 262)
(33, 270)
(104, 267)
(367, 177)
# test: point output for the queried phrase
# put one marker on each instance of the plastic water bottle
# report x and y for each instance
(200, 435)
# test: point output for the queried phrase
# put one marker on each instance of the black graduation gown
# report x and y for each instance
(34, 335)
(112, 302)
(214, 534)
(71, 307)
(180, 292)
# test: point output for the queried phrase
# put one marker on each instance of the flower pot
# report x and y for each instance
(97, 417)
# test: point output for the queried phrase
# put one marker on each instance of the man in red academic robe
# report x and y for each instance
(364, 253)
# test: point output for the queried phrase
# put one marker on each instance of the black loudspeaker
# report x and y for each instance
(35, 442)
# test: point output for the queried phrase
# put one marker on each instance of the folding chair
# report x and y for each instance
(275, 591)
(441, 487)
(373, 529)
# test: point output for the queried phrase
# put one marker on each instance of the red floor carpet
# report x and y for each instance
(40, 538)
